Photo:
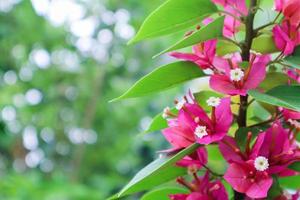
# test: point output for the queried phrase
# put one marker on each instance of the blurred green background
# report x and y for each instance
(61, 61)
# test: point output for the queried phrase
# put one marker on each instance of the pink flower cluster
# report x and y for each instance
(250, 172)
(287, 35)
(202, 188)
(228, 76)
(269, 154)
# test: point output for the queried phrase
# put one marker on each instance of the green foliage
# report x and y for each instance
(275, 190)
(211, 31)
(163, 78)
(269, 83)
(294, 59)
(159, 122)
(291, 182)
(287, 96)
(225, 47)
(295, 166)
(157, 172)
(174, 16)
(216, 162)
(264, 44)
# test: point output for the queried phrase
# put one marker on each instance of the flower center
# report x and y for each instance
(261, 163)
(200, 131)
(236, 74)
(213, 101)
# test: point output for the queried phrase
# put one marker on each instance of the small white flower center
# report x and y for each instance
(200, 131)
(166, 112)
(236, 74)
(180, 104)
(261, 163)
(213, 101)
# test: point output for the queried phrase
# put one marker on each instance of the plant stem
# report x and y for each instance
(250, 34)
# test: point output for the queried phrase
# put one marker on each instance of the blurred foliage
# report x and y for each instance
(61, 62)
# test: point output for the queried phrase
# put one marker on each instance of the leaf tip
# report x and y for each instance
(114, 100)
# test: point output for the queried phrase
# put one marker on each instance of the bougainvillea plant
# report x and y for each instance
(239, 138)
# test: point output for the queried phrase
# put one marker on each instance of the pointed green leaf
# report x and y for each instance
(211, 31)
(163, 78)
(287, 96)
(174, 16)
(163, 193)
(159, 171)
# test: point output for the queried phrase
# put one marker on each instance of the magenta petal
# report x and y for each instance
(185, 56)
(221, 193)
(176, 136)
(222, 84)
(197, 111)
(212, 138)
(197, 196)
(282, 40)
(235, 177)
(226, 148)
(290, 114)
(224, 116)
(257, 73)
(260, 188)
(257, 146)
(178, 196)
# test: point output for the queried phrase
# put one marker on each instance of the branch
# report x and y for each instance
(250, 35)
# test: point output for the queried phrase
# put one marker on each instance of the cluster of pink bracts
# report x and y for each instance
(250, 171)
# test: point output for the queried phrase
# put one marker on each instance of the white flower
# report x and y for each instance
(213, 101)
(180, 104)
(236, 74)
(200, 131)
(261, 163)
(166, 112)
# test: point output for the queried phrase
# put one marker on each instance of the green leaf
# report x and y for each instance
(291, 182)
(294, 59)
(269, 82)
(163, 78)
(216, 161)
(264, 44)
(174, 16)
(241, 135)
(159, 171)
(203, 96)
(158, 122)
(225, 47)
(295, 166)
(275, 190)
(211, 31)
(287, 96)
(163, 193)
